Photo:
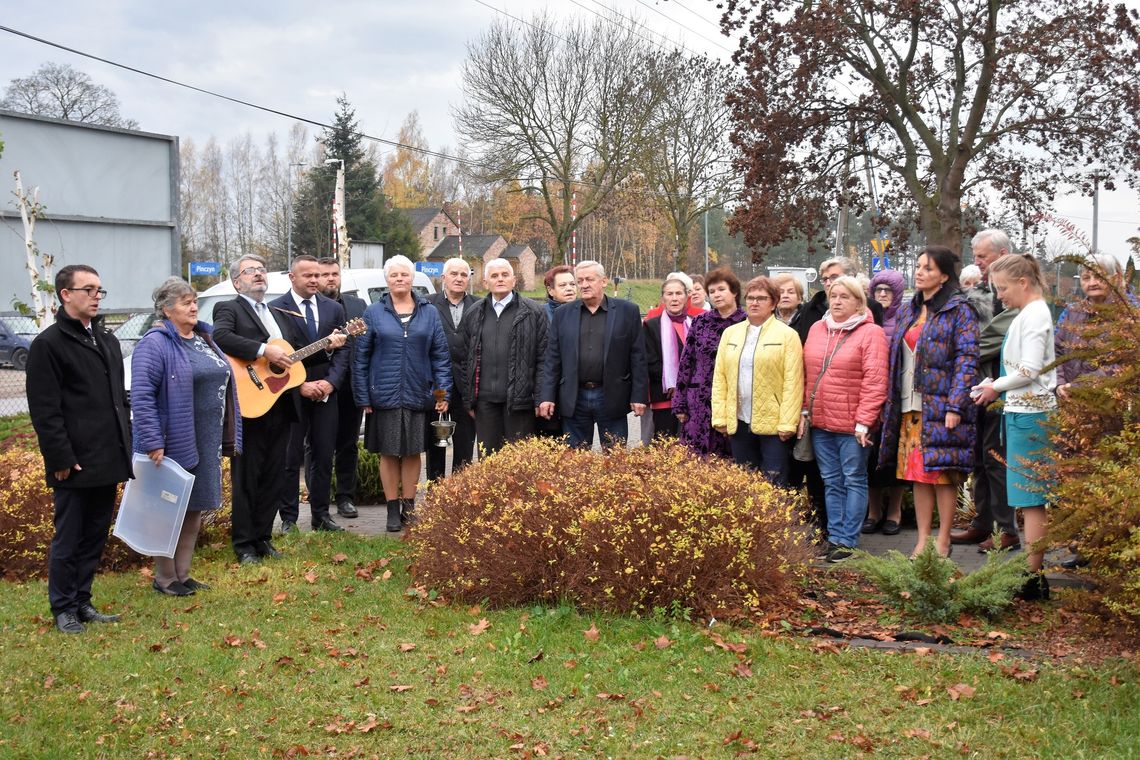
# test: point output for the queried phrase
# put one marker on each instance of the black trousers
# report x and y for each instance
(346, 452)
(801, 472)
(462, 443)
(990, 499)
(82, 519)
(496, 424)
(317, 426)
(256, 478)
(664, 423)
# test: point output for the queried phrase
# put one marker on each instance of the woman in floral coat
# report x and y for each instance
(692, 402)
(928, 429)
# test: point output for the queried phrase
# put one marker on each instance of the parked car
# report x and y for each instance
(131, 331)
(368, 284)
(16, 334)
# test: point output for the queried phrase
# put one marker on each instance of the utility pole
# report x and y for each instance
(1096, 210)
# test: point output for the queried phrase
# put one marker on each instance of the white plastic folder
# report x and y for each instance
(154, 506)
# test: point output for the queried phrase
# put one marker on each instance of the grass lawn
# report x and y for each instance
(328, 652)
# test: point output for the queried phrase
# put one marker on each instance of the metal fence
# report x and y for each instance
(13, 398)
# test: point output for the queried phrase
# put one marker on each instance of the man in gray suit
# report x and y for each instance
(454, 305)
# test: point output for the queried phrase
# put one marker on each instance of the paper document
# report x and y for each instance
(154, 506)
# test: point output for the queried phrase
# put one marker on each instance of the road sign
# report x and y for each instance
(430, 268)
(205, 268)
(879, 263)
(880, 244)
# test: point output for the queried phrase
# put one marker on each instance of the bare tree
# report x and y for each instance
(62, 92)
(689, 165)
(560, 107)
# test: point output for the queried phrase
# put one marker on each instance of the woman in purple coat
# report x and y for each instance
(692, 402)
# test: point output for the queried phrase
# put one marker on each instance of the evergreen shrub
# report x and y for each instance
(930, 587)
(625, 531)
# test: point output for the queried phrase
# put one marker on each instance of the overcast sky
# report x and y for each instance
(388, 56)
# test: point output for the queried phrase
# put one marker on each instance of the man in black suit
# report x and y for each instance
(309, 317)
(346, 453)
(78, 407)
(595, 370)
(243, 328)
(454, 306)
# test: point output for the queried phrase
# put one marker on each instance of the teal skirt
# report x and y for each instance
(1026, 447)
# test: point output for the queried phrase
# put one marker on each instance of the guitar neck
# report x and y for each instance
(309, 350)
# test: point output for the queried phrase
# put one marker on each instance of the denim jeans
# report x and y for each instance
(764, 453)
(843, 465)
(587, 413)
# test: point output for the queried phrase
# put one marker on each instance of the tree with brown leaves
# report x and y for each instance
(949, 103)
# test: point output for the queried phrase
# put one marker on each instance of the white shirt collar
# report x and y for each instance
(500, 305)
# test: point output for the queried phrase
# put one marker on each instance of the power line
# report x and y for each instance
(239, 101)
(634, 32)
(683, 26)
(694, 13)
(520, 20)
(632, 20)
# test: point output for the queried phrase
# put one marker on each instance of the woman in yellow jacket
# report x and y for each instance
(758, 384)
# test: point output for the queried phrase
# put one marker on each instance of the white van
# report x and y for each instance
(368, 284)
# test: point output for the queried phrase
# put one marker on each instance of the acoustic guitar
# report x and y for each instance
(260, 384)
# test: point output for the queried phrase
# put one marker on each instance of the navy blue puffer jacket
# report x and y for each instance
(397, 366)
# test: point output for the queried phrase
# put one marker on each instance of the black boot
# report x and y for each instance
(409, 510)
(394, 525)
(1036, 588)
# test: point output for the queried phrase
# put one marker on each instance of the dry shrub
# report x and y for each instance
(27, 512)
(630, 531)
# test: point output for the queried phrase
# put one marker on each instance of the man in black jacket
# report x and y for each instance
(349, 415)
(79, 409)
(310, 317)
(814, 309)
(454, 306)
(243, 328)
(504, 344)
(595, 371)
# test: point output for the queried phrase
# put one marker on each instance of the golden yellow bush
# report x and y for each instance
(628, 531)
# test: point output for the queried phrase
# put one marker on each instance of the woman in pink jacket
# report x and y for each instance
(845, 386)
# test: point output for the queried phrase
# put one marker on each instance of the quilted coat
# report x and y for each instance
(946, 367)
(854, 387)
(397, 366)
(162, 397)
(777, 379)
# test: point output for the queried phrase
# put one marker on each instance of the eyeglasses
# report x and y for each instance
(92, 291)
(830, 278)
(884, 289)
(757, 299)
(254, 270)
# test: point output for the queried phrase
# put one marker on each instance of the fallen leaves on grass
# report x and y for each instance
(662, 642)
(539, 683)
(476, 629)
(592, 633)
(960, 691)
(406, 647)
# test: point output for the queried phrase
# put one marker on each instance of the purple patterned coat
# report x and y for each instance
(946, 367)
(694, 383)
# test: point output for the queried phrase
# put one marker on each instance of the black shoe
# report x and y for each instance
(288, 526)
(408, 511)
(347, 509)
(194, 585)
(1074, 562)
(891, 528)
(265, 549)
(88, 614)
(394, 524)
(174, 589)
(248, 558)
(840, 553)
(67, 622)
(326, 524)
(871, 525)
(1036, 588)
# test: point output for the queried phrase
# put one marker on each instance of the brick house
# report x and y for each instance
(439, 241)
(432, 225)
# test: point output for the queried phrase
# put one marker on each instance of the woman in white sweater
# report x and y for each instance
(1027, 389)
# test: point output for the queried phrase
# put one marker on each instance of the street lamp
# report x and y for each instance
(289, 214)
